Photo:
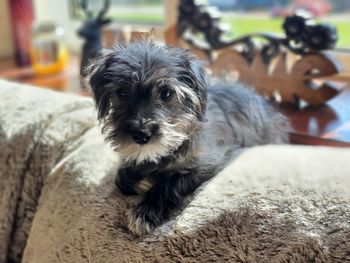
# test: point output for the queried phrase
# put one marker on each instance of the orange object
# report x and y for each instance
(49, 53)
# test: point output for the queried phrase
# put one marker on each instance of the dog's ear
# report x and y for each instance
(199, 76)
(97, 80)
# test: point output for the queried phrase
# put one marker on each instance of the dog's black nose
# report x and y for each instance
(141, 137)
(141, 130)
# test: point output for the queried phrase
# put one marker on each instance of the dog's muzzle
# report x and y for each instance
(141, 137)
(142, 132)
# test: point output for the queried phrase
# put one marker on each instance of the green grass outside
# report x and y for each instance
(241, 26)
(138, 18)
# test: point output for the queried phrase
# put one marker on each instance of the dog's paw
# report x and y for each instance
(139, 223)
(145, 217)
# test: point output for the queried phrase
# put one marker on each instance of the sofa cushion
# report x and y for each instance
(36, 128)
(272, 204)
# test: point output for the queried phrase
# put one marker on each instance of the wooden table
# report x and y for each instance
(324, 125)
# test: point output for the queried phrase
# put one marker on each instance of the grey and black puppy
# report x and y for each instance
(171, 132)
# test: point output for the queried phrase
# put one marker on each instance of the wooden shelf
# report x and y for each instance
(66, 81)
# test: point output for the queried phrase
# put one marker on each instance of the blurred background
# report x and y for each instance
(45, 43)
(27, 22)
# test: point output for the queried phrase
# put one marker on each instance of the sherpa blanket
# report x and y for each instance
(58, 202)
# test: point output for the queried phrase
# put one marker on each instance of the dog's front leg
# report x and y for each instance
(129, 181)
(156, 205)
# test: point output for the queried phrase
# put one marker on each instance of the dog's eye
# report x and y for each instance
(121, 93)
(166, 94)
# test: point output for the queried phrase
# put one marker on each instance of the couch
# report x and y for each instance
(58, 201)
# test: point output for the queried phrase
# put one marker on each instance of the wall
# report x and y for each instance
(44, 10)
(6, 47)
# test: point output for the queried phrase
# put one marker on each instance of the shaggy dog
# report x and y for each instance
(171, 131)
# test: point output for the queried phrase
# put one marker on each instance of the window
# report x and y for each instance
(149, 12)
(248, 16)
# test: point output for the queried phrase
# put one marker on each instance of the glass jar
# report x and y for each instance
(48, 50)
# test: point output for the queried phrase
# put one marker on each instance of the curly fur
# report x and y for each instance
(186, 138)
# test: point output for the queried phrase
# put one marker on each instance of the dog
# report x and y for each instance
(171, 131)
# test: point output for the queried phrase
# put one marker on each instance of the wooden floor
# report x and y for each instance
(323, 125)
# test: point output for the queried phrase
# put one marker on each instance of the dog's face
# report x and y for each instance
(149, 98)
